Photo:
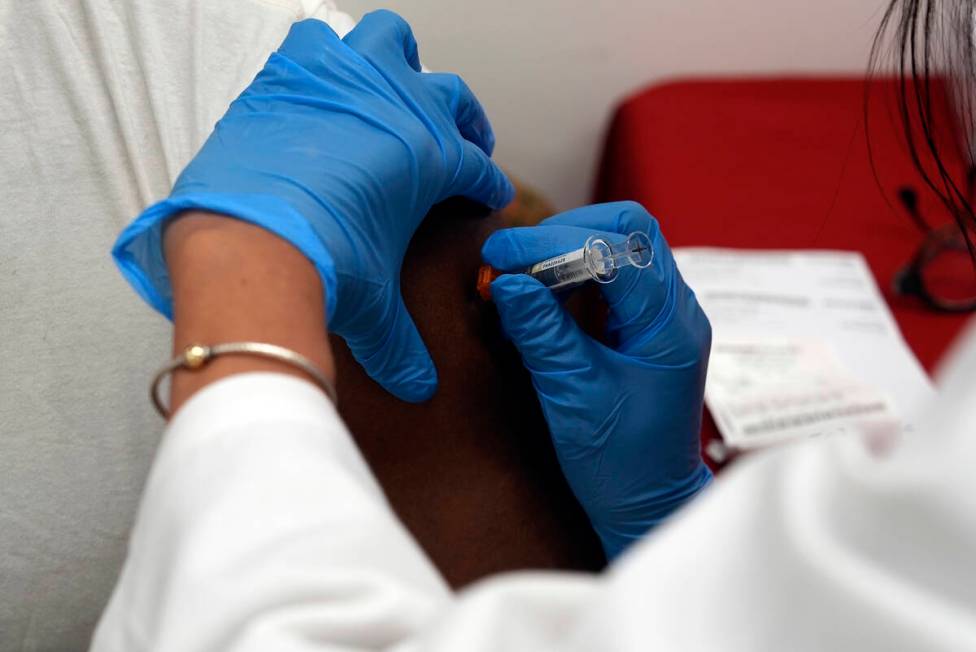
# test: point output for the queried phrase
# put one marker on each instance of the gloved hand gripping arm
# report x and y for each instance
(340, 147)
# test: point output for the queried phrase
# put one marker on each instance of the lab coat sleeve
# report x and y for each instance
(862, 542)
(261, 528)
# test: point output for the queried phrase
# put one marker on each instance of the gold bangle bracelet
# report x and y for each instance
(196, 356)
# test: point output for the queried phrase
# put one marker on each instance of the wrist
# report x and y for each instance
(236, 282)
(630, 524)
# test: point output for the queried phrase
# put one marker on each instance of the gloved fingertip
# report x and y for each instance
(313, 27)
(534, 321)
(511, 294)
(417, 392)
(419, 386)
(502, 191)
(516, 288)
(505, 193)
(384, 33)
(486, 136)
(480, 179)
(305, 39)
(493, 248)
(514, 283)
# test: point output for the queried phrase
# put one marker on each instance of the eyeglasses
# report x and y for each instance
(941, 273)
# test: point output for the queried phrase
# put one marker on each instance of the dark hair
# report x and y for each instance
(933, 38)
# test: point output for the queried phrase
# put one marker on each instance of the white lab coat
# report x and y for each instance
(261, 528)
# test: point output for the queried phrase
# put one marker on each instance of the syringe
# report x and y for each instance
(597, 260)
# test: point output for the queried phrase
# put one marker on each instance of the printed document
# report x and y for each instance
(803, 345)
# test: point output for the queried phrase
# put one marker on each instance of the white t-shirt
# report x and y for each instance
(102, 103)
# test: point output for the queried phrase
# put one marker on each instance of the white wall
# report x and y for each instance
(550, 71)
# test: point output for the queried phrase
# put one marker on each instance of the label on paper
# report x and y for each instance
(763, 390)
(804, 345)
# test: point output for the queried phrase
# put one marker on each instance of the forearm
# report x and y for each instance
(260, 519)
(232, 282)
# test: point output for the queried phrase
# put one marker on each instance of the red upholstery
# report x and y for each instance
(781, 164)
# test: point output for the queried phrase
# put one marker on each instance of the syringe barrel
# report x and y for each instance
(597, 260)
(563, 271)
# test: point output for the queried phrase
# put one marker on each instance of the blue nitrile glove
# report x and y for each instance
(340, 147)
(625, 421)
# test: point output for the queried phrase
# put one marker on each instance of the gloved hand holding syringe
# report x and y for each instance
(626, 407)
(598, 260)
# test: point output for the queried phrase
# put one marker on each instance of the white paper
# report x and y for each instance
(767, 389)
(818, 325)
